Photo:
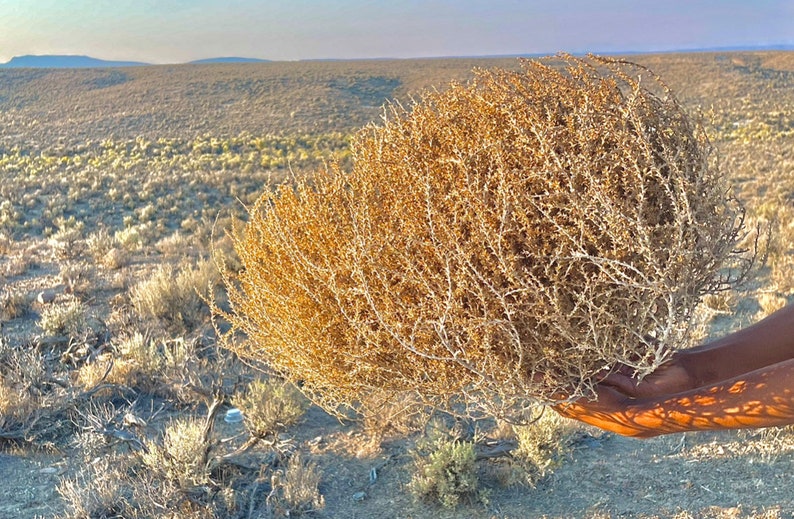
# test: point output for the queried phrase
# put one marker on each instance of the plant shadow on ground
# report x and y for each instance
(89, 230)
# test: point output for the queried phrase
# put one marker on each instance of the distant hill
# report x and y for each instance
(227, 60)
(65, 62)
(298, 97)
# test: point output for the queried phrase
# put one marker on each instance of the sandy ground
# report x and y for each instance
(721, 475)
(693, 475)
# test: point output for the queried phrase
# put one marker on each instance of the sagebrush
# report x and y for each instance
(447, 474)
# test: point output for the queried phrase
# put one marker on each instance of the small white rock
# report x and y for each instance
(233, 415)
(46, 296)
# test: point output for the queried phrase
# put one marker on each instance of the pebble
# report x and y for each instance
(130, 419)
(359, 496)
(233, 415)
(46, 296)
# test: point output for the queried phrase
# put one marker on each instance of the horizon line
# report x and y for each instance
(725, 48)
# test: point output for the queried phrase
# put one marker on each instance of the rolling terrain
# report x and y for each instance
(118, 187)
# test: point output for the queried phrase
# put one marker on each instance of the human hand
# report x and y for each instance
(609, 409)
(670, 378)
(618, 395)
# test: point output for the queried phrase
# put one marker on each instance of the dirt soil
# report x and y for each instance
(720, 475)
(729, 475)
(28, 485)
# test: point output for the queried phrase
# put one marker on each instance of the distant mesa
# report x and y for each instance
(65, 62)
(53, 61)
(231, 59)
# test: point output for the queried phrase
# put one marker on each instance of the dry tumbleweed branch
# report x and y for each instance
(501, 241)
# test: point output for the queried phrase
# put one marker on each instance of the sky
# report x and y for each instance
(176, 31)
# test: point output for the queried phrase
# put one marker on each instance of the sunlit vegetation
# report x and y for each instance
(117, 186)
(153, 185)
(503, 240)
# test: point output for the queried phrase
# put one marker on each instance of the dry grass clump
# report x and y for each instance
(504, 239)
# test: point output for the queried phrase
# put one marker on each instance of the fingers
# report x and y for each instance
(623, 383)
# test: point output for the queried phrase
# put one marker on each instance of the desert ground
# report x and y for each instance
(121, 188)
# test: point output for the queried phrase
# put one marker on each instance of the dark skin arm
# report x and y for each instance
(744, 380)
(762, 398)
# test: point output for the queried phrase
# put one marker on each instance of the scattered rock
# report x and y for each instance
(233, 415)
(46, 297)
(132, 420)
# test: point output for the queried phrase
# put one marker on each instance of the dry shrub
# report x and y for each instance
(140, 363)
(117, 483)
(541, 445)
(175, 296)
(295, 490)
(721, 302)
(6, 243)
(175, 244)
(99, 243)
(91, 374)
(734, 512)
(69, 318)
(17, 402)
(13, 304)
(15, 265)
(502, 240)
(98, 489)
(769, 303)
(269, 406)
(181, 456)
(130, 239)
(34, 401)
(76, 277)
(115, 258)
(175, 368)
(67, 241)
(447, 474)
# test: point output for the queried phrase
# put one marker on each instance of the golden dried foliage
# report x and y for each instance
(501, 241)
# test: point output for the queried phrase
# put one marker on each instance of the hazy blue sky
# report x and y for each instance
(169, 31)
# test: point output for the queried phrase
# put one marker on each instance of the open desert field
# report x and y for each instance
(121, 190)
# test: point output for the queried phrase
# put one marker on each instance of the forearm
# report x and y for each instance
(761, 398)
(765, 343)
